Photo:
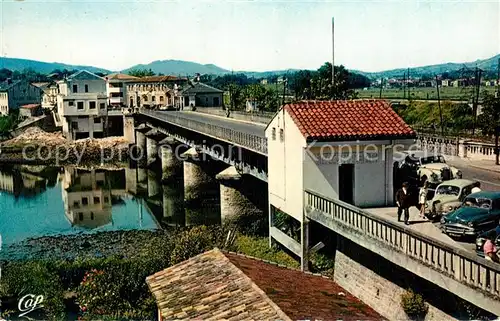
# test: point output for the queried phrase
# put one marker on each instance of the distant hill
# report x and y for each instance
(489, 65)
(17, 64)
(179, 67)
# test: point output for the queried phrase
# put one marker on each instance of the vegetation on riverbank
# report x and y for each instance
(113, 285)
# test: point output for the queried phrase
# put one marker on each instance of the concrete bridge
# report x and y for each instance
(451, 268)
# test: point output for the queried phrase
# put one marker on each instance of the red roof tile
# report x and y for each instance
(348, 120)
(30, 106)
(219, 285)
(303, 296)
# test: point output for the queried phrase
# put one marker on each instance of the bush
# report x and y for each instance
(22, 278)
(196, 240)
(414, 305)
(321, 263)
(259, 247)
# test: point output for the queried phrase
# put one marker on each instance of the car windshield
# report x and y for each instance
(432, 159)
(448, 190)
(477, 202)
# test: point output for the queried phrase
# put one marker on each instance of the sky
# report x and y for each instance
(251, 35)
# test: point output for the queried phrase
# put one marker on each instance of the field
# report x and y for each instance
(445, 93)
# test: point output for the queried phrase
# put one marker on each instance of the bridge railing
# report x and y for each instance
(458, 264)
(252, 142)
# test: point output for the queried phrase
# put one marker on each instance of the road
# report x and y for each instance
(489, 180)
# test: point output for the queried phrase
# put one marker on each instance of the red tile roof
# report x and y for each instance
(30, 106)
(303, 296)
(156, 79)
(348, 120)
(219, 285)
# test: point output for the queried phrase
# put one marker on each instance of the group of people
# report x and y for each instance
(404, 200)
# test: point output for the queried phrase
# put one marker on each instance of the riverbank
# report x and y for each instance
(35, 146)
(94, 276)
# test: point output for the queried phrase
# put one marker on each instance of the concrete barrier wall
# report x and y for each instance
(457, 147)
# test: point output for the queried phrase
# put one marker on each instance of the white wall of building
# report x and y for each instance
(285, 166)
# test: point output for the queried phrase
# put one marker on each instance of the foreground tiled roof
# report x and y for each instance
(348, 120)
(210, 287)
(118, 76)
(217, 285)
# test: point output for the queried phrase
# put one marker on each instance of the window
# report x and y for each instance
(74, 125)
(92, 216)
(282, 135)
(97, 120)
(145, 98)
(274, 133)
(75, 88)
(79, 105)
(114, 95)
(71, 103)
(161, 98)
(85, 201)
(76, 204)
(153, 98)
(92, 104)
(97, 200)
(86, 88)
(80, 216)
(102, 105)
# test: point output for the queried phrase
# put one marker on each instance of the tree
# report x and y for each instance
(489, 120)
(141, 73)
(5, 73)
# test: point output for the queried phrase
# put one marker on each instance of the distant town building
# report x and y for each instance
(263, 81)
(116, 88)
(445, 82)
(155, 92)
(15, 93)
(30, 110)
(82, 107)
(50, 92)
(202, 95)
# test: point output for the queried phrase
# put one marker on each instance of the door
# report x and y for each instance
(346, 183)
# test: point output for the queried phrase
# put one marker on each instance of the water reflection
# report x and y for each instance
(40, 200)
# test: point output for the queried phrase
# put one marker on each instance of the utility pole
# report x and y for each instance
(497, 152)
(284, 89)
(439, 106)
(408, 83)
(381, 85)
(476, 100)
(404, 85)
(333, 54)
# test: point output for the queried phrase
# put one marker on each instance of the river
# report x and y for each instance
(38, 201)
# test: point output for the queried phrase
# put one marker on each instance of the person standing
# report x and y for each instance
(403, 200)
(422, 198)
(490, 251)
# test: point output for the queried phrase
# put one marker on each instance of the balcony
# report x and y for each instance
(85, 96)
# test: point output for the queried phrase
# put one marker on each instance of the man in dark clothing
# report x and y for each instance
(403, 200)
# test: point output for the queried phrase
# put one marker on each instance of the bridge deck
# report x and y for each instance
(417, 224)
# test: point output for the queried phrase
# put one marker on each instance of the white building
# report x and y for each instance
(116, 88)
(161, 92)
(15, 93)
(340, 149)
(49, 97)
(82, 105)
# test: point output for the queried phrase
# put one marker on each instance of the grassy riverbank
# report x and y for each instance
(103, 275)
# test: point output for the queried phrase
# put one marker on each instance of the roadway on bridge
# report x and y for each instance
(237, 125)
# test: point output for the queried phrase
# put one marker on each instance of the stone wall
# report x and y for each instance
(380, 283)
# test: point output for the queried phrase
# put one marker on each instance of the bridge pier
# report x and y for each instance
(152, 138)
(233, 203)
(194, 176)
(173, 206)
(140, 143)
(153, 184)
(142, 179)
(170, 162)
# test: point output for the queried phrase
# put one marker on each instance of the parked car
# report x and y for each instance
(493, 234)
(448, 197)
(420, 166)
(479, 212)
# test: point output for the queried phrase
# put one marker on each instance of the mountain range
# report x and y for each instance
(183, 68)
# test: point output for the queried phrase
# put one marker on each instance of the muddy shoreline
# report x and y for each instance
(83, 245)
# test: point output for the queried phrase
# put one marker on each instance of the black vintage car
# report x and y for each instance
(493, 234)
(479, 212)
